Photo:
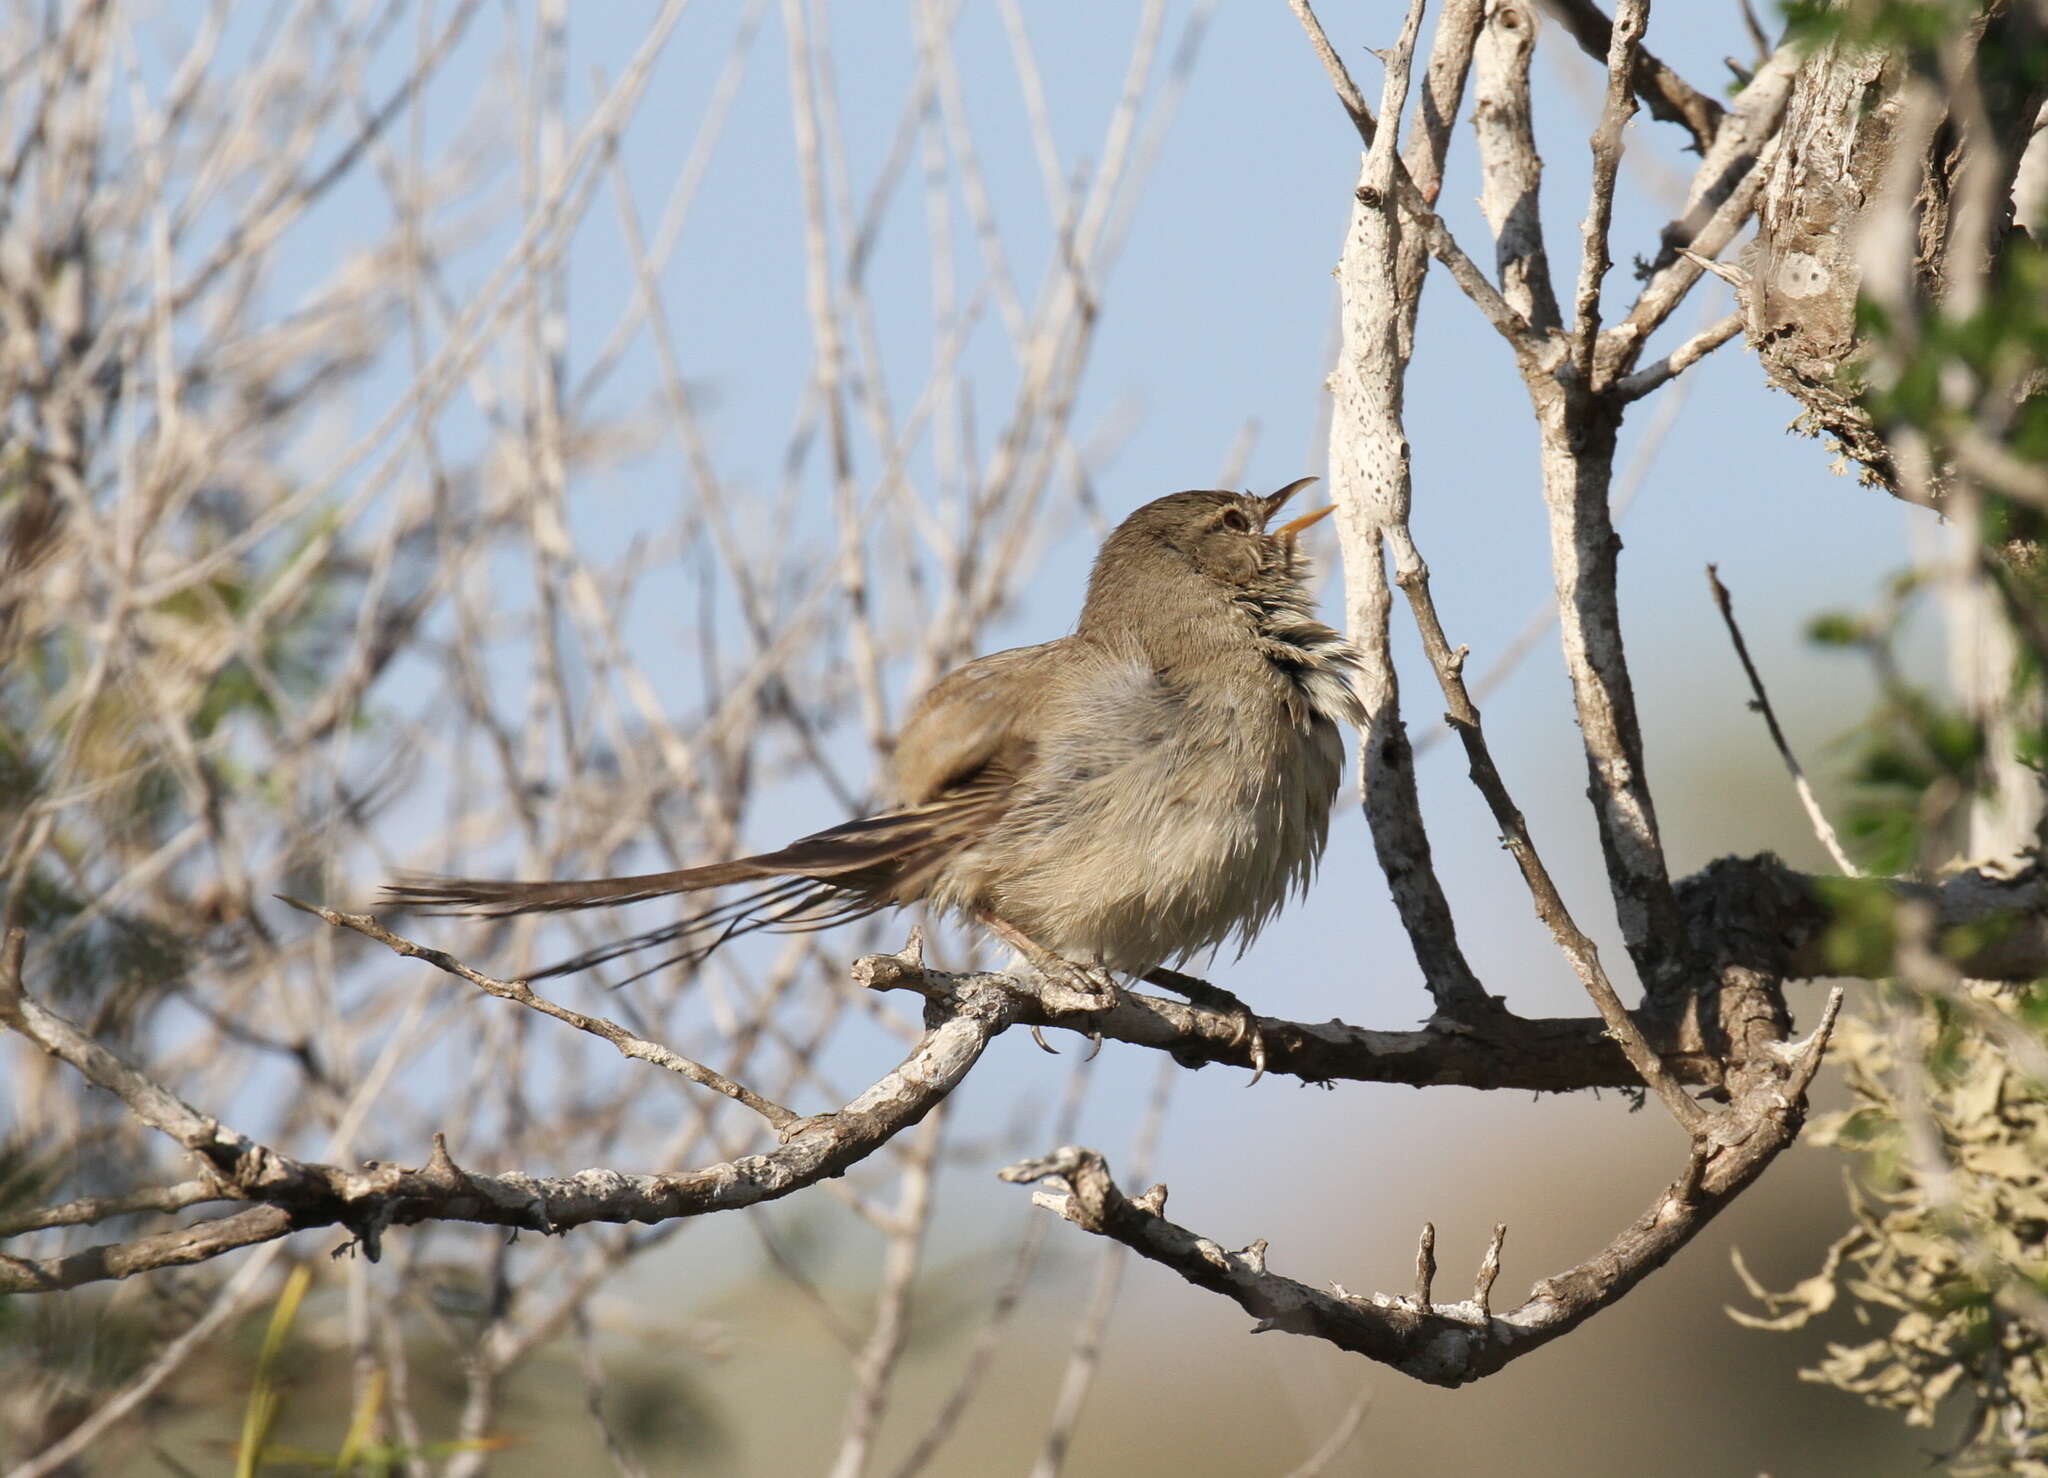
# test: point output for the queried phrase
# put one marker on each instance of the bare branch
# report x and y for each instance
(1583, 954)
(1445, 1344)
(1340, 75)
(1679, 360)
(1511, 172)
(1630, 19)
(180, 1247)
(1340, 1438)
(635, 1048)
(1756, 912)
(88, 1209)
(1370, 483)
(1669, 97)
(367, 1201)
(1814, 814)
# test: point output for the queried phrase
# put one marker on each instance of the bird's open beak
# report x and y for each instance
(1289, 531)
(1274, 502)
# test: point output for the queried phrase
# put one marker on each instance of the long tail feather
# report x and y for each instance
(493, 899)
(855, 846)
(830, 877)
(735, 915)
(746, 918)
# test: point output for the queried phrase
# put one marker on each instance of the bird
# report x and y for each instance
(1118, 801)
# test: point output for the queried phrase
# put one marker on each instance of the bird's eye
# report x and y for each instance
(1234, 519)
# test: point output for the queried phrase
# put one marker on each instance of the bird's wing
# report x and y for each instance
(973, 730)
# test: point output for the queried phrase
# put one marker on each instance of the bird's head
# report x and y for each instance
(1217, 538)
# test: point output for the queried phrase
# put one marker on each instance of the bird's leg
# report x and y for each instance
(1216, 998)
(1097, 985)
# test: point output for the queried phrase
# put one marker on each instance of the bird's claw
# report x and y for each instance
(1094, 1038)
(1096, 987)
(1249, 1037)
(1254, 1042)
(1216, 998)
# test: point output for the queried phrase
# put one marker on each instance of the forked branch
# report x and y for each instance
(1444, 1344)
(294, 1195)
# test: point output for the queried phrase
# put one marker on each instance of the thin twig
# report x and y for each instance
(1582, 953)
(100, 1208)
(1679, 360)
(637, 1048)
(875, 1362)
(1340, 75)
(1762, 704)
(1630, 18)
(1319, 1461)
(1085, 1359)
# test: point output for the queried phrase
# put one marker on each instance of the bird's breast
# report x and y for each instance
(1165, 812)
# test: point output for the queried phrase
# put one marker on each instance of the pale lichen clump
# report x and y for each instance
(1945, 1264)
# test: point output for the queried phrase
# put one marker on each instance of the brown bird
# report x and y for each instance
(1114, 802)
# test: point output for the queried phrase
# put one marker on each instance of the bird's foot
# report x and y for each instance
(1075, 987)
(1095, 988)
(1215, 998)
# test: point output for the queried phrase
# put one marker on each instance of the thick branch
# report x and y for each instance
(959, 1025)
(1369, 481)
(1444, 1344)
(1511, 171)
(1669, 97)
(1751, 914)
(1578, 430)
(1496, 1051)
